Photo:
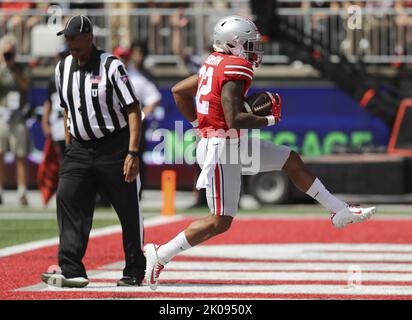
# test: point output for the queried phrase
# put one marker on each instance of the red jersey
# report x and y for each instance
(216, 70)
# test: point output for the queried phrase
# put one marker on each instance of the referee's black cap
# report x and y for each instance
(76, 25)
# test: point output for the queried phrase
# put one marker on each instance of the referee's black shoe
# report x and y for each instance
(129, 281)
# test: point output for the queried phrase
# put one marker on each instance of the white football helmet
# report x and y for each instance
(240, 37)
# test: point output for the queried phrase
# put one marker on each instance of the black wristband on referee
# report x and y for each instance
(133, 153)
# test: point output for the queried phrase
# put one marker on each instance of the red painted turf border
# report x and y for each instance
(22, 270)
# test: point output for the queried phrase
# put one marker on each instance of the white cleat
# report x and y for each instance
(153, 266)
(351, 214)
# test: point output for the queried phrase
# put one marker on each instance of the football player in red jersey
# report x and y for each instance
(220, 88)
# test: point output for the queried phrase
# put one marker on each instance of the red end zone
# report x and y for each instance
(23, 270)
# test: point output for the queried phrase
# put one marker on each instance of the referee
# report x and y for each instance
(103, 124)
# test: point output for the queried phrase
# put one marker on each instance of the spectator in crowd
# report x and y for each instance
(123, 54)
(14, 87)
(53, 130)
(157, 28)
(379, 26)
(146, 92)
(178, 22)
(52, 119)
(191, 61)
(323, 23)
(166, 30)
(121, 25)
(403, 24)
(19, 22)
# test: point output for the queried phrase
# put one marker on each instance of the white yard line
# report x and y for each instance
(220, 267)
(183, 288)
(311, 216)
(307, 252)
(34, 245)
(392, 278)
(179, 283)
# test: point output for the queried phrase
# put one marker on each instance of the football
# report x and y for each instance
(259, 103)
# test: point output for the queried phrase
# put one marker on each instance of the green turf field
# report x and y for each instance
(19, 226)
(14, 232)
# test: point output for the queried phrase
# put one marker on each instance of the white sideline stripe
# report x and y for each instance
(305, 251)
(286, 266)
(34, 245)
(235, 289)
(273, 266)
(255, 276)
(312, 215)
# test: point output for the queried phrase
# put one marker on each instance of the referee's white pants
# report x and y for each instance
(244, 155)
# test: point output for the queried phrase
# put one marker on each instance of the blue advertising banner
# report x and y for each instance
(314, 120)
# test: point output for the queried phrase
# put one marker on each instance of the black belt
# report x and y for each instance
(103, 140)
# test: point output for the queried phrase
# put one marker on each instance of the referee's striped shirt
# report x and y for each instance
(96, 95)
